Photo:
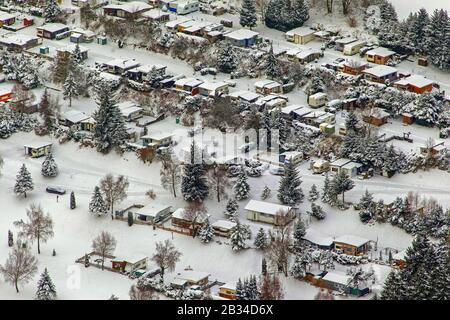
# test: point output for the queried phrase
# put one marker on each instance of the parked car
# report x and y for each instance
(278, 171)
(339, 60)
(56, 190)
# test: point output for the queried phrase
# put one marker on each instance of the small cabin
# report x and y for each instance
(318, 240)
(338, 281)
(157, 139)
(336, 166)
(242, 37)
(268, 87)
(321, 166)
(354, 67)
(351, 168)
(213, 89)
(130, 10)
(156, 15)
(129, 264)
(120, 66)
(301, 35)
(189, 85)
(377, 117)
(415, 83)
(180, 220)
(38, 149)
(398, 259)
(381, 74)
(6, 19)
(52, 31)
(267, 212)
(223, 228)
(153, 213)
(352, 245)
(193, 278)
(379, 55)
(130, 111)
(228, 291)
(317, 100)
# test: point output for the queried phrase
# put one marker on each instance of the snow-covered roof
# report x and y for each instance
(306, 53)
(320, 162)
(53, 27)
(131, 7)
(264, 83)
(291, 154)
(75, 116)
(290, 108)
(132, 259)
(213, 85)
(322, 33)
(415, 80)
(192, 276)
(126, 104)
(155, 14)
(301, 31)
(87, 33)
(6, 16)
(229, 286)
(178, 214)
(224, 224)
(245, 95)
(147, 68)
(356, 43)
(191, 82)
(380, 71)
(318, 95)
(266, 207)
(345, 41)
(71, 48)
(151, 210)
(17, 39)
(336, 277)
(122, 63)
(175, 23)
(380, 51)
(241, 34)
(37, 144)
(157, 135)
(351, 240)
(128, 111)
(399, 255)
(317, 238)
(301, 112)
(340, 162)
(352, 165)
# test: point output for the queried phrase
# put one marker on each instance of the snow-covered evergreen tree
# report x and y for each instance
(70, 88)
(45, 288)
(240, 290)
(110, 130)
(302, 263)
(231, 210)
(314, 194)
(342, 183)
(49, 166)
(206, 233)
(438, 40)
(52, 11)
(316, 211)
(24, 182)
(226, 60)
(10, 239)
(273, 69)
(248, 16)
(265, 193)
(285, 15)
(328, 195)
(367, 207)
(241, 188)
(73, 203)
(261, 239)
(298, 235)
(238, 237)
(289, 191)
(97, 204)
(193, 184)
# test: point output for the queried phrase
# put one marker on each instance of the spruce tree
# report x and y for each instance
(97, 204)
(206, 233)
(231, 209)
(49, 166)
(298, 235)
(248, 14)
(238, 237)
(239, 292)
(52, 11)
(24, 182)
(273, 69)
(316, 212)
(289, 191)
(110, 130)
(193, 184)
(226, 60)
(314, 194)
(73, 203)
(45, 288)
(342, 183)
(261, 239)
(327, 191)
(70, 88)
(265, 193)
(241, 188)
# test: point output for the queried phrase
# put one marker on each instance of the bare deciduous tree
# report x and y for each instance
(140, 292)
(270, 288)
(104, 245)
(166, 256)
(39, 226)
(20, 267)
(278, 250)
(170, 172)
(218, 180)
(114, 190)
(195, 212)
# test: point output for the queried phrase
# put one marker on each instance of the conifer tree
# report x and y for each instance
(289, 191)
(73, 203)
(316, 211)
(261, 239)
(241, 187)
(314, 194)
(97, 204)
(265, 193)
(248, 14)
(298, 235)
(206, 233)
(10, 239)
(226, 59)
(45, 288)
(238, 237)
(49, 166)
(110, 130)
(193, 184)
(24, 182)
(231, 209)
(273, 70)
(70, 88)
(51, 11)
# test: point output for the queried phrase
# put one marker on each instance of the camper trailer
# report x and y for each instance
(353, 48)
